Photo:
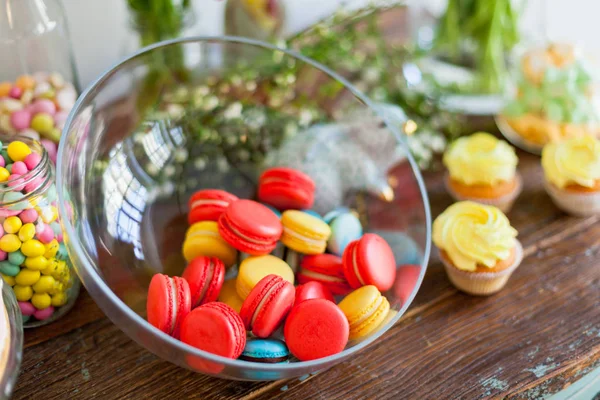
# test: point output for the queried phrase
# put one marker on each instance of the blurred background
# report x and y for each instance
(100, 28)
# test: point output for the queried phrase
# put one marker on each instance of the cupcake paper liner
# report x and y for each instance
(482, 283)
(504, 203)
(574, 203)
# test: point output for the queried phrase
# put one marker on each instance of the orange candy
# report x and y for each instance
(5, 88)
(25, 82)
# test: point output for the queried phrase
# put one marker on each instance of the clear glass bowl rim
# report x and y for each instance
(141, 323)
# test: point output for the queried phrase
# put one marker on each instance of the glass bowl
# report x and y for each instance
(11, 340)
(212, 113)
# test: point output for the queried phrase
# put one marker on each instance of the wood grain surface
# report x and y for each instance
(537, 336)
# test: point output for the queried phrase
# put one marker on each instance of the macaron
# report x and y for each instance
(267, 305)
(369, 261)
(312, 290)
(304, 233)
(406, 280)
(265, 351)
(216, 328)
(250, 227)
(208, 205)
(315, 329)
(169, 302)
(229, 296)
(205, 276)
(345, 228)
(328, 270)
(286, 188)
(203, 239)
(365, 308)
(253, 269)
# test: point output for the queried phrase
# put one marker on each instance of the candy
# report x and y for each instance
(25, 82)
(9, 269)
(43, 123)
(46, 284)
(28, 216)
(33, 248)
(44, 106)
(17, 150)
(13, 198)
(12, 225)
(60, 118)
(5, 88)
(16, 257)
(15, 183)
(23, 293)
(52, 249)
(27, 277)
(50, 147)
(41, 300)
(4, 174)
(19, 168)
(44, 314)
(47, 235)
(15, 92)
(59, 299)
(20, 119)
(27, 231)
(10, 281)
(26, 308)
(3, 255)
(10, 243)
(36, 263)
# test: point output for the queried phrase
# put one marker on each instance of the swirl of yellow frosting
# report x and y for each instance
(481, 159)
(474, 234)
(572, 161)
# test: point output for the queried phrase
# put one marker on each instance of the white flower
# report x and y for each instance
(234, 111)
(169, 171)
(223, 164)
(437, 143)
(180, 155)
(371, 75)
(305, 117)
(175, 110)
(290, 130)
(210, 103)
(199, 163)
(202, 90)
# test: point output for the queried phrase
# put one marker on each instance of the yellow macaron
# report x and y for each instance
(304, 233)
(229, 296)
(253, 269)
(365, 308)
(203, 239)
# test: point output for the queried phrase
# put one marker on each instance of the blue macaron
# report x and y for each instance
(334, 213)
(313, 213)
(265, 351)
(345, 228)
(405, 249)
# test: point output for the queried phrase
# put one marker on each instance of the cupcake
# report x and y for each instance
(478, 247)
(554, 99)
(572, 174)
(483, 168)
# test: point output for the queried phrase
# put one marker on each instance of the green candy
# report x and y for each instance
(16, 258)
(62, 252)
(51, 194)
(4, 154)
(8, 166)
(14, 197)
(25, 318)
(9, 269)
(55, 228)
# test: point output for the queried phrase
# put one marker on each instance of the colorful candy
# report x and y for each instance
(31, 260)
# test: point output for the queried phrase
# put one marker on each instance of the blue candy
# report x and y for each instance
(266, 351)
(345, 228)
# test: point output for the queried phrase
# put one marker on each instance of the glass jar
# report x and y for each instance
(38, 79)
(11, 340)
(34, 259)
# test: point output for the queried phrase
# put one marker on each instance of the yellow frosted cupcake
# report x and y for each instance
(483, 168)
(478, 247)
(572, 172)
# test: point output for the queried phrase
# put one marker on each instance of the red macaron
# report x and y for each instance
(312, 290)
(250, 227)
(208, 205)
(326, 269)
(316, 328)
(216, 328)
(406, 280)
(169, 302)
(369, 261)
(205, 276)
(267, 305)
(286, 188)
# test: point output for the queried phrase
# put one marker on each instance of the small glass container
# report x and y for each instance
(34, 259)
(38, 79)
(11, 341)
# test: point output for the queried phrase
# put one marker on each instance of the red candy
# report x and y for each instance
(312, 290)
(205, 275)
(315, 329)
(216, 328)
(286, 188)
(250, 227)
(370, 261)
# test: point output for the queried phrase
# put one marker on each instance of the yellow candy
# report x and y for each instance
(4, 174)
(33, 248)
(12, 224)
(54, 213)
(9, 243)
(17, 150)
(59, 299)
(23, 293)
(5, 88)
(27, 277)
(27, 232)
(52, 249)
(36, 263)
(51, 267)
(25, 82)
(61, 269)
(10, 280)
(41, 300)
(46, 284)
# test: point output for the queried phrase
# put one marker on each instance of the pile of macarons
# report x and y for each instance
(264, 248)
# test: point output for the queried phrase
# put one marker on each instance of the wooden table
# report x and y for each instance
(536, 337)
